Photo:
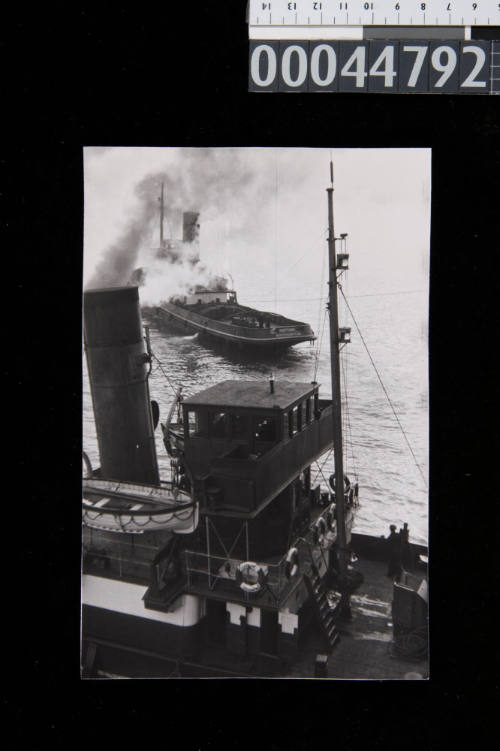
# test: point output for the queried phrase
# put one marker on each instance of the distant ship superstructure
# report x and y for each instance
(212, 309)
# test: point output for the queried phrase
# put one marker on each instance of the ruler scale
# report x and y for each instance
(327, 13)
(388, 46)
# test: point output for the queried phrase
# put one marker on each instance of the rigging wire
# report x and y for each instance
(349, 431)
(351, 297)
(384, 389)
(345, 363)
(320, 468)
(318, 348)
(166, 376)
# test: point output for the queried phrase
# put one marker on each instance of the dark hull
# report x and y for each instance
(184, 322)
(118, 644)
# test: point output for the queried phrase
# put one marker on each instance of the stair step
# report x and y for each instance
(331, 630)
(334, 640)
(328, 619)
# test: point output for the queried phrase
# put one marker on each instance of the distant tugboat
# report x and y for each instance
(213, 311)
(250, 570)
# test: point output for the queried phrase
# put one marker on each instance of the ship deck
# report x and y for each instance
(365, 650)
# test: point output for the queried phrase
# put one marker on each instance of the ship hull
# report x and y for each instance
(184, 322)
(205, 637)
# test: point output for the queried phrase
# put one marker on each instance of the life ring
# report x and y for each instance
(347, 483)
(250, 576)
(292, 563)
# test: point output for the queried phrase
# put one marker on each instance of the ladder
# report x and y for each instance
(325, 615)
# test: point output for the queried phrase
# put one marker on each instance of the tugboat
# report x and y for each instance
(255, 575)
(212, 311)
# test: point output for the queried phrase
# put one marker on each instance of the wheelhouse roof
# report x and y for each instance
(251, 394)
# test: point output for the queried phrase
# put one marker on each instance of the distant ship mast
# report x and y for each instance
(161, 217)
(336, 339)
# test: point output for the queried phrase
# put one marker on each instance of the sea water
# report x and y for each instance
(388, 457)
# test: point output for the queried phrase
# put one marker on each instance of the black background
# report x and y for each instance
(132, 77)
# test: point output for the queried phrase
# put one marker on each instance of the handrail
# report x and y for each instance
(208, 566)
(116, 511)
(125, 492)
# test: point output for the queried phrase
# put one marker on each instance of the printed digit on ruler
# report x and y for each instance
(478, 66)
(418, 63)
(446, 69)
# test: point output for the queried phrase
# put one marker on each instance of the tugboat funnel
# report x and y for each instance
(118, 372)
(190, 226)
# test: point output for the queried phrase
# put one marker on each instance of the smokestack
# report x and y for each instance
(190, 226)
(118, 372)
(271, 383)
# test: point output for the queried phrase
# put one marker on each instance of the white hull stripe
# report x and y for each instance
(123, 597)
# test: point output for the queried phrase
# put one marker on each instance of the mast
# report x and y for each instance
(337, 406)
(161, 217)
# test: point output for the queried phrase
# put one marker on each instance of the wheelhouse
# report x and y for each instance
(232, 432)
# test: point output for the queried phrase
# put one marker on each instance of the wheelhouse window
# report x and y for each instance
(217, 424)
(265, 429)
(293, 422)
(239, 427)
(309, 409)
(300, 416)
(197, 423)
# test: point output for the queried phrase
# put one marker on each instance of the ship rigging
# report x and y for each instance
(225, 569)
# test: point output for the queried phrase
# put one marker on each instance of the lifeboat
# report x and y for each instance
(135, 508)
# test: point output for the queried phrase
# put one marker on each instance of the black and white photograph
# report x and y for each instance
(255, 413)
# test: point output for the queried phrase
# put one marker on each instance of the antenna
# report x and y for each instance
(331, 172)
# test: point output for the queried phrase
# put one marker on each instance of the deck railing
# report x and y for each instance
(218, 574)
(119, 558)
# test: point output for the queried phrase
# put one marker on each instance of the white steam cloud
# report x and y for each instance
(210, 182)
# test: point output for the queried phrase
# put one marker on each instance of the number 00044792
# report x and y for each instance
(397, 66)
